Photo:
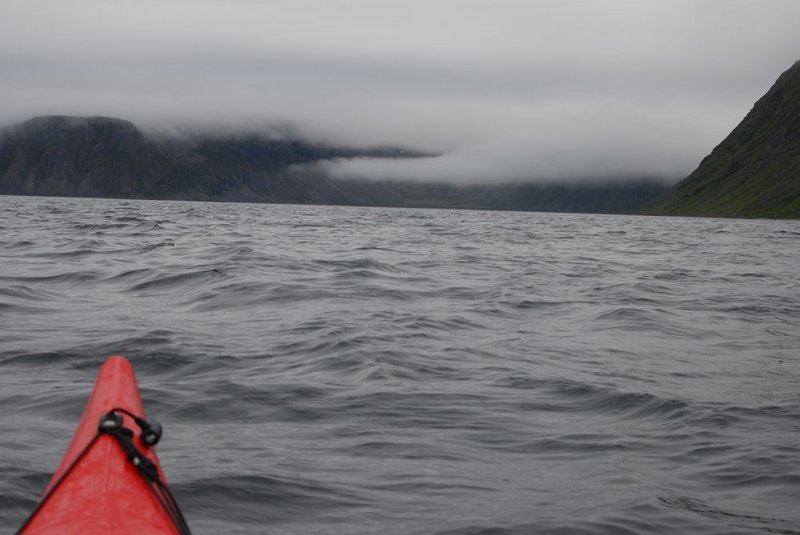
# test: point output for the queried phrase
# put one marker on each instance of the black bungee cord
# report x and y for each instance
(111, 424)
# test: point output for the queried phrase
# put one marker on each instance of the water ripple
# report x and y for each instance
(361, 370)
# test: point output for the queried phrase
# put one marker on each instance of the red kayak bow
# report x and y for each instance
(110, 480)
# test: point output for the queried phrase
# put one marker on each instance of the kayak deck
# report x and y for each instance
(96, 489)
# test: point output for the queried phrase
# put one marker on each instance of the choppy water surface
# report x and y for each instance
(366, 370)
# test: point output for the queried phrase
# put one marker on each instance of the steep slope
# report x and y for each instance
(78, 156)
(755, 171)
(107, 157)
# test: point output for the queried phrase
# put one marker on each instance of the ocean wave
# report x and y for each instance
(350, 370)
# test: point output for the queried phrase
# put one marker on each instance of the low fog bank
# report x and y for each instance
(483, 142)
(110, 157)
(464, 168)
(543, 161)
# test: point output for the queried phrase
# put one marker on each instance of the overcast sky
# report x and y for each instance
(504, 89)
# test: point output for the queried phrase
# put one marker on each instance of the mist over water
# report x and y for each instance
(363, 370)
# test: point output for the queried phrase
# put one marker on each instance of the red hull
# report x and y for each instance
(104, 493)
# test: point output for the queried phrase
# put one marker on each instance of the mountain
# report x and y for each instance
(108, 157)
(71, 156)
(755, 171)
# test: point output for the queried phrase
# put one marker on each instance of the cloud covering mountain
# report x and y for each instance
(504, 89)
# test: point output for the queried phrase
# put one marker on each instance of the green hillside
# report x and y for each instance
(755, 171)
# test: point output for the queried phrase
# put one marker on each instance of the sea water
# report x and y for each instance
(357, 370)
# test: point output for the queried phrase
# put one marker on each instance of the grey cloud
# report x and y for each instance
(506, 90)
